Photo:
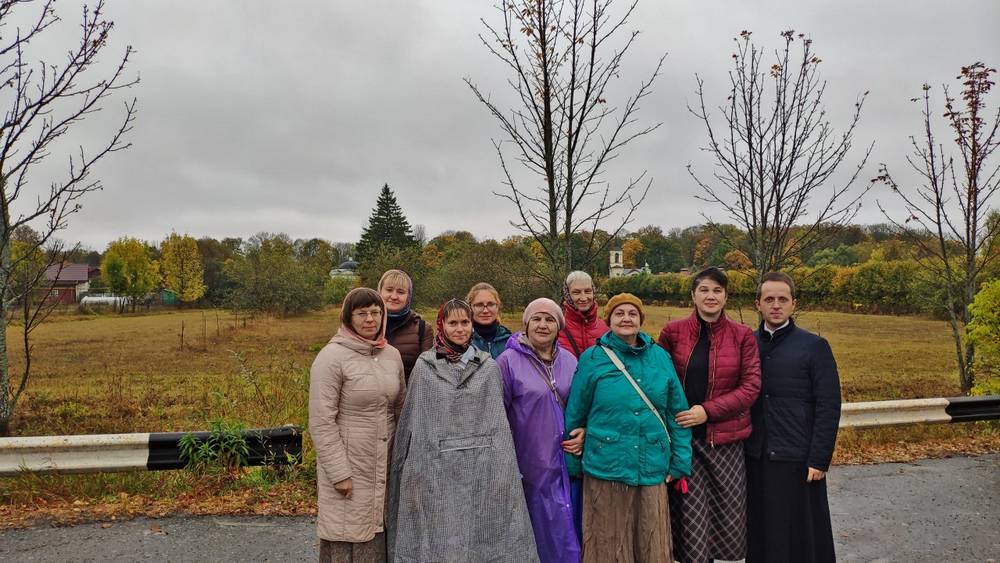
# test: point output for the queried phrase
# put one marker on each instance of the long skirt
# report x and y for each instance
(710, 521)
(372, 551)
(625, 524)
(788, 518)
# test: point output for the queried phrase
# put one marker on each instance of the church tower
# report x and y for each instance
(616, 267)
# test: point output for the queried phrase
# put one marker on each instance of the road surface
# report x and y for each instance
(932, 510)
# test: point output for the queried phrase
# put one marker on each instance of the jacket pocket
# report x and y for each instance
(602, 452)
(657, 454)
(465, 443)
(360, 375)
(789, 428)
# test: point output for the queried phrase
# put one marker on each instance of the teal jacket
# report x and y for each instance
(625, 442)
(496, 346)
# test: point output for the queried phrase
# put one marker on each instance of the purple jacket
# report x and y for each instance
(536, 422)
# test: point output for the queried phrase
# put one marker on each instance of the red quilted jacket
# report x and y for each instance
(583, 328)
(733, 373)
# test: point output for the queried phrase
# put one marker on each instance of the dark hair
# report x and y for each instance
(357, 298)
(453, 305)
(777, 277)
(714, 274)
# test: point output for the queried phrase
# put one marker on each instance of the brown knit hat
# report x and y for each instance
(622, 299)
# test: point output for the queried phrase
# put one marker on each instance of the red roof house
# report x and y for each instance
(69, 281)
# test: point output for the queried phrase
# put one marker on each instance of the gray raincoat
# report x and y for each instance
(455, 493)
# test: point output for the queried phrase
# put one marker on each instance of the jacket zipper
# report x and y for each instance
(548, 371)
(711, 382)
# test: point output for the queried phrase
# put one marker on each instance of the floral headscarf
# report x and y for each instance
(446, 348)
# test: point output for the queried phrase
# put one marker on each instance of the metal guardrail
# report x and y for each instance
(127, 452)
(283, 446)
(916, 411)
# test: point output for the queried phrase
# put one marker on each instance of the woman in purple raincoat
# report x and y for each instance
(537, 374)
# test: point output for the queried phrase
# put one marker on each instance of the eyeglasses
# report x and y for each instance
(367, 314)
(483, 306)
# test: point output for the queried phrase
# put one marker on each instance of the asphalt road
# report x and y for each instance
(933, 510)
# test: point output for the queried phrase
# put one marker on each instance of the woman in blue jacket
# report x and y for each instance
(488, 334)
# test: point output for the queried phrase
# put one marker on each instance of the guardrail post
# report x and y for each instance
(129, 452)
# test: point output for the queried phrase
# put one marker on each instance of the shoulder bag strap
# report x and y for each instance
(572, 342)
(420, 333)
(618, 364)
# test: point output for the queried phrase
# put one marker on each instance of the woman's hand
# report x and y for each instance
(692, 417)
(575, 444)
(669, 478)
(345, 487)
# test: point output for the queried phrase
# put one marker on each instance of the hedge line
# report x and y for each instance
(893, 287)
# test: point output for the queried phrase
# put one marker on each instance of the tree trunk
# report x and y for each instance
(964, 377)
(6, 395)
(967, 374)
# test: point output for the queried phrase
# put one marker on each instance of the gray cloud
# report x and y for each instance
(288, 117)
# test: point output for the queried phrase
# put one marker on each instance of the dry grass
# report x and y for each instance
(129, 374)
(111, 374)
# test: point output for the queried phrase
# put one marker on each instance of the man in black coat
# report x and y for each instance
(795, 423)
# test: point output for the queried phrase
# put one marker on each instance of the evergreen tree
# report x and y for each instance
(387, 227)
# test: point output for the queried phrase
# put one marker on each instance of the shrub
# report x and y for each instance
(337, 288)
(224, 448)
(984, 333)
(270, 277)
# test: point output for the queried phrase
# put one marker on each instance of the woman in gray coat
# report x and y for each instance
(455, 492)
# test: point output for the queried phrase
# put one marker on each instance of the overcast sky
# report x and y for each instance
(289, 116)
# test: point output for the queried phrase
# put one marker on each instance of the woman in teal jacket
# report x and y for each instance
(630, 453)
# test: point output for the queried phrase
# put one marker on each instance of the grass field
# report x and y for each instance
(112, 374)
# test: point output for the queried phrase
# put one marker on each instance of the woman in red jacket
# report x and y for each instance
(718, 363)
(583, 326)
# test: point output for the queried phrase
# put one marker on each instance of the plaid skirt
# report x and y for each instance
(710, 521)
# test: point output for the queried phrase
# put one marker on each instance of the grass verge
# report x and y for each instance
(132, 373)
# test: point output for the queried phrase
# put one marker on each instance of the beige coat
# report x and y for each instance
(355, 394)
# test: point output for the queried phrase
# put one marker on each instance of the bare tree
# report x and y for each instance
(775, 153)
(562, 56)
(947, 214)
(44, 102)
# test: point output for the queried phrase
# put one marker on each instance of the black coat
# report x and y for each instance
(798, 412)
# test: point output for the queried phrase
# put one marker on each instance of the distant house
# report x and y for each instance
(348, 269)
(69, 281)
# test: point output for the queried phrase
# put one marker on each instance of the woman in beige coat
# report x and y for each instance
(356, 391)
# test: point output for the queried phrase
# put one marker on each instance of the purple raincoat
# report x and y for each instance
(536, 422)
